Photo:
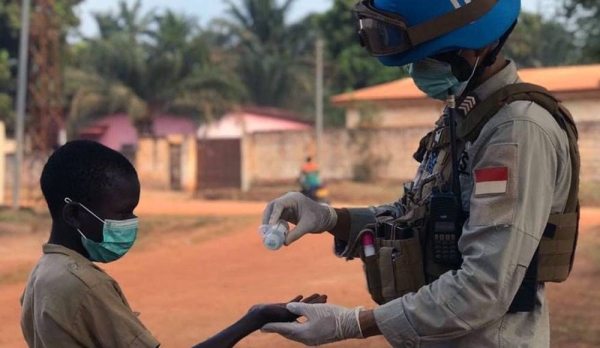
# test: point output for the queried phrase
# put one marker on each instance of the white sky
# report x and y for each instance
(205, 10)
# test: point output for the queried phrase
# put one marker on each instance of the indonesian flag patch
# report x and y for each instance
(490, 181)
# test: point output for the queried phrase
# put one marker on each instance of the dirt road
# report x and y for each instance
(175, 203)
(187, 291)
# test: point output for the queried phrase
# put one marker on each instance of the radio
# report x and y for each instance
(445, 227)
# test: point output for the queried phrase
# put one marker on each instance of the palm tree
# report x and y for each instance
(5, 89)
(147, 64)
(268, 52)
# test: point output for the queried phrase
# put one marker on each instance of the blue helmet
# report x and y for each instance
(485, 29)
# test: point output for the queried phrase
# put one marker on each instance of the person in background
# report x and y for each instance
(310, 177)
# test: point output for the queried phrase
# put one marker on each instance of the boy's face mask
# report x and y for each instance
(118, 237)
(435, 78)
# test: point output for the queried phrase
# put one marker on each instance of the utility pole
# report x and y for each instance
(21, 96)
(320, 44)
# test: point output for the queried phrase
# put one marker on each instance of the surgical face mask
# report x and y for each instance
(118, 237)
(435, 78)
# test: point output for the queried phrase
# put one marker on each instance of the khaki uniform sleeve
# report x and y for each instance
(497, 244)
(105, 319)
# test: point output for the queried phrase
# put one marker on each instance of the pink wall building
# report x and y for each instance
(117, 132)
(251, 120)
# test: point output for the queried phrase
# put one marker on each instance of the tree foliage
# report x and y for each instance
(9, 46)
(146, 64)
(586, 15)
(10, 25)
(273, 58)
(6, 100)
(351, 66)
(538, 42)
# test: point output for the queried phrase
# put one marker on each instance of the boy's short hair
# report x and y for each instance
(82, 170)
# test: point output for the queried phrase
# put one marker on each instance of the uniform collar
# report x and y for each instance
(59, 249)
(506, 76)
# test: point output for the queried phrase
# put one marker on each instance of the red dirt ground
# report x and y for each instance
(187, 291)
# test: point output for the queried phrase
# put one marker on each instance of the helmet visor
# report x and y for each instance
(385, 33)
(381, 33)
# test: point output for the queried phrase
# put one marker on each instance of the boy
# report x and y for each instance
(91, 192)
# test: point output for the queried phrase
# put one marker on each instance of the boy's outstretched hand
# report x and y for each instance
(278, 313)
(257, 317)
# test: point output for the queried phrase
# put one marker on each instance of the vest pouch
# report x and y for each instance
(371, 268)
(557, 247)
(401, 267)
(387, 259)
(410, 262)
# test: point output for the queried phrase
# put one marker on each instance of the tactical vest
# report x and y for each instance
(407, 253)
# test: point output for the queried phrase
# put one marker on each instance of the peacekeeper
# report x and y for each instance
(460, 260)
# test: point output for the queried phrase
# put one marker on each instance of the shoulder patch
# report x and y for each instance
(495, 186)
(490, 181)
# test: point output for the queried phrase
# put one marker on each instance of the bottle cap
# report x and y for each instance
(273, 236)
(273, 241)
(282, 226)
(367, 239)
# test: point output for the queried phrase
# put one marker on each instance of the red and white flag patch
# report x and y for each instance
(489, 181)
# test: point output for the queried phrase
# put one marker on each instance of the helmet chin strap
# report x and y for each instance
(470, 78)
(478, 71)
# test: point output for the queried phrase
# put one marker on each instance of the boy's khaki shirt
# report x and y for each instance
(70, 302)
